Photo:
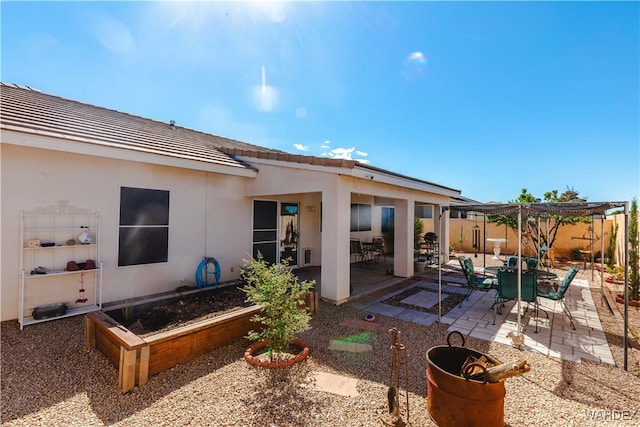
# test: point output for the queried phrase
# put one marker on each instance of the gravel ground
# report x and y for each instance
(49, 378)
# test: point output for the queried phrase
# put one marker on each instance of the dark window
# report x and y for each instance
(265, 230)
(360, 217)
(144, 226)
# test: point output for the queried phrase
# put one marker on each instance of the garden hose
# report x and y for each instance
(208, 267)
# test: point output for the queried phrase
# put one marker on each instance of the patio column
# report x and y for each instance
(336, 219)
(403, 238)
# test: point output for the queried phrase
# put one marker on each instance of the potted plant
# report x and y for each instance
(419, 260)
(283, 313)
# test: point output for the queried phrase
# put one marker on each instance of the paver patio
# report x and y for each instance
(555, 336)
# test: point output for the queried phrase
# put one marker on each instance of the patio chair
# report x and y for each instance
(377, 250)
(511, 261)
(560, 293)
(356, 250)
(532, 261)
(508, 290)
(474, 281)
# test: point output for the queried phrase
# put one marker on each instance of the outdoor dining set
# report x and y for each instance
(534, 284)
(367, 251)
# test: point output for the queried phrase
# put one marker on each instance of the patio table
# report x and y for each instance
(540, 274)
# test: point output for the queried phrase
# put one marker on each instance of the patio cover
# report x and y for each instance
(549, 209)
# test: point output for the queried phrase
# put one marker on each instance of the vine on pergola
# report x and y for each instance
(531, 226)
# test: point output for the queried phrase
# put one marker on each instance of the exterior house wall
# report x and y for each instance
(61, 150)
(208, 216)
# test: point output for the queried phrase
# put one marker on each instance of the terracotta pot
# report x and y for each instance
(632, 302)
(248, 355)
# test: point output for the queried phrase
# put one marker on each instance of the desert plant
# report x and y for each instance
(530, 225)
(634, 253)
(418, 232)
(611, 250)
(283, 313)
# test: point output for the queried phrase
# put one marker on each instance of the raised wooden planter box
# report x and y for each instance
(136, 358)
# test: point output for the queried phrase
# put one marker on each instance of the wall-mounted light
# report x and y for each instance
(311, 208)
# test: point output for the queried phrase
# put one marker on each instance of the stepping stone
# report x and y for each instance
(352, 347)
(330, 383)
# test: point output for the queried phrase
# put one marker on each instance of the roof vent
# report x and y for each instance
(172, 124)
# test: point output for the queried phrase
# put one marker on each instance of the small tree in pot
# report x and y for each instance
(283, 313)
(419, 260)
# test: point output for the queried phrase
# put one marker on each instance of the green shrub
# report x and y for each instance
(418, 231)
(611, 250)
(283, 313)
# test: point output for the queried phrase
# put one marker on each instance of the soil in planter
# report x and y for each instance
(159, 316)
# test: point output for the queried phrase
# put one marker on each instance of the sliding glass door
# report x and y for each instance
(289, 232)
(276, 231)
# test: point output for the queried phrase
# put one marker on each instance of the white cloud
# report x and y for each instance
(362, 153)
(346, 153)
(341, 153)
(301, 147)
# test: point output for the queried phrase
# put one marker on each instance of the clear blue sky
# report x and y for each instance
(485, 97)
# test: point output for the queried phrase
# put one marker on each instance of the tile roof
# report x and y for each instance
(24, 109)
(28, 110)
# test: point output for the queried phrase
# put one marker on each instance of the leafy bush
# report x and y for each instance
(611, 249)
(418, 231)
(283, 313)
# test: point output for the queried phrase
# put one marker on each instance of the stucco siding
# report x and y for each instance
(209, 215)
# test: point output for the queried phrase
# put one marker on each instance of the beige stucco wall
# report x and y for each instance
(202, 205)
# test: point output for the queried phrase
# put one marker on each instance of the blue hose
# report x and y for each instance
(203, 272)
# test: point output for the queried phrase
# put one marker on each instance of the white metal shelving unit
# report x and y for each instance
(43, 276)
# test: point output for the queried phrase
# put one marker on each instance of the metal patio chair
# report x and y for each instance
(558, 295)
(474, 281)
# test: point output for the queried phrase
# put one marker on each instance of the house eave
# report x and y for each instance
(46, 140)
(353, 169)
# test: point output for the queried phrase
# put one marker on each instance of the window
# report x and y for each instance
(265, 230)
(424, 211)
(360, 217)
(144, 226)
(387, 219)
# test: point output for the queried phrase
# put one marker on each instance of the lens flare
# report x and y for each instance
(414, 67)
